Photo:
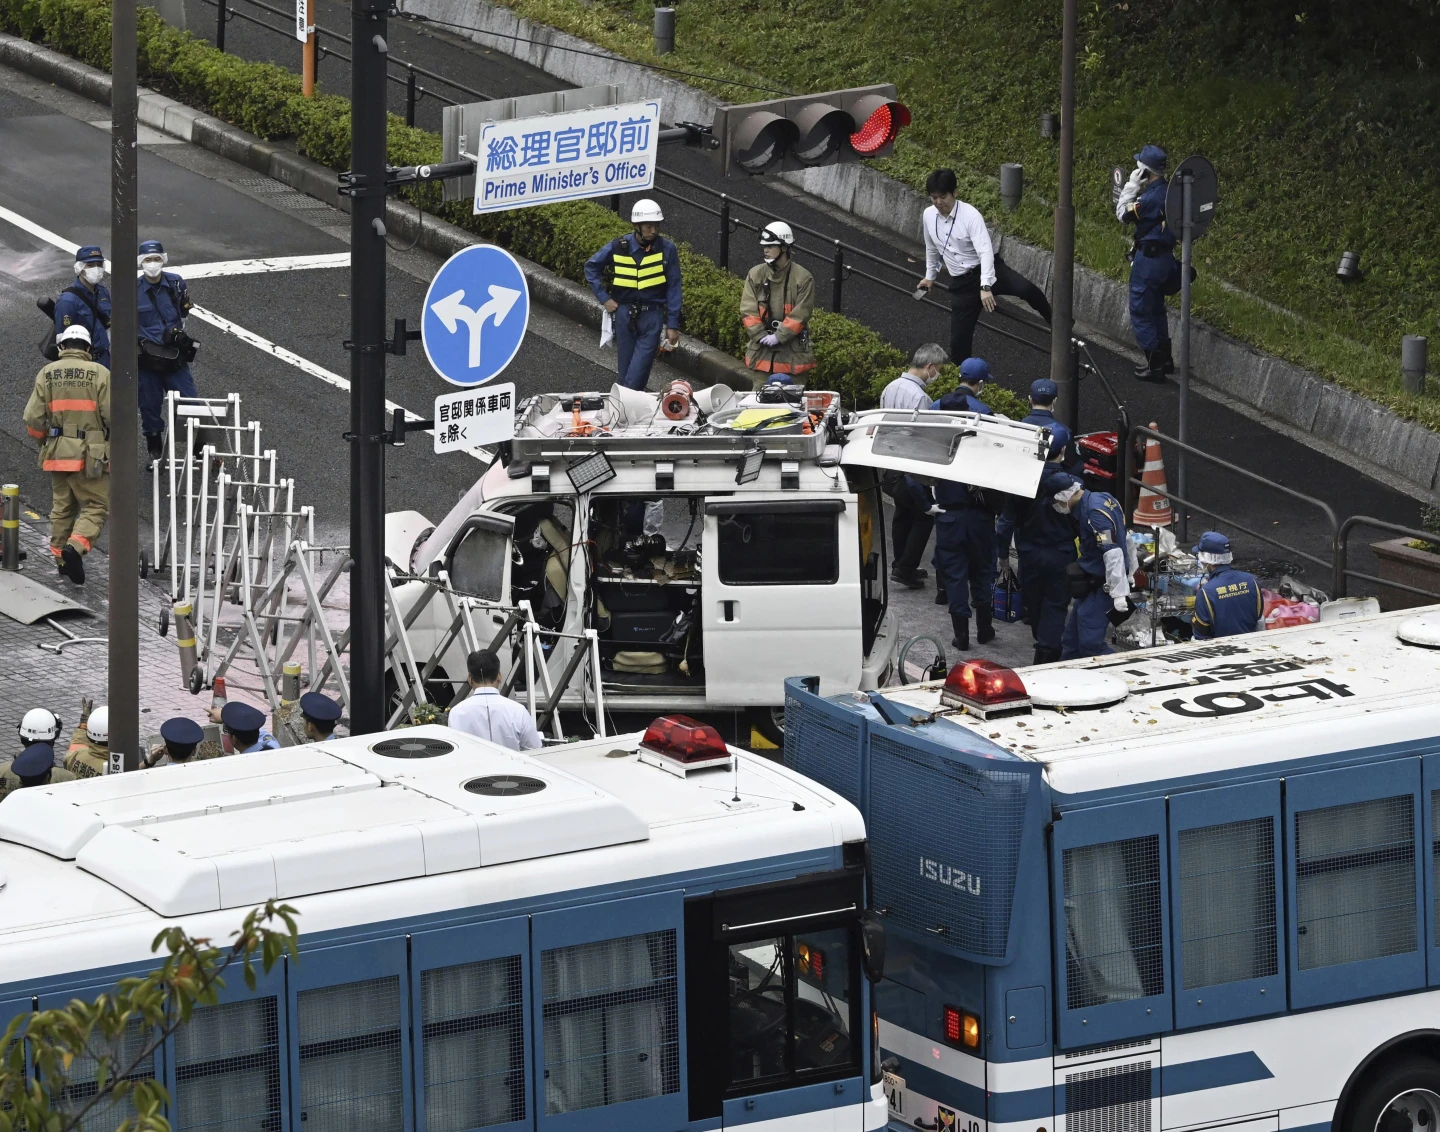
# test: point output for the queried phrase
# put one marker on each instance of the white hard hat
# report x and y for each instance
(40, 726)
(646, 211)
(776, 232)
(74, 331)
(98, 725)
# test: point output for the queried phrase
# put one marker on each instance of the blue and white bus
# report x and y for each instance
(612, 935)
(1185, 888)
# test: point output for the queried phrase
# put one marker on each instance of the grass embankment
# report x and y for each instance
(1322, 118)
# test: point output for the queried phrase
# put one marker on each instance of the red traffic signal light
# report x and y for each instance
(819, 129)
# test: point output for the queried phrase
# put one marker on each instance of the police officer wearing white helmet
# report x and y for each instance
(775, 307)
(643, 293)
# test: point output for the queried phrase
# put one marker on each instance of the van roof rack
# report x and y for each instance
(717, 424)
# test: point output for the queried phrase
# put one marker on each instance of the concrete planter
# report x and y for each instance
(1401, 562)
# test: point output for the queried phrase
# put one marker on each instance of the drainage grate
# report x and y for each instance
(412, 748)
(504, 785)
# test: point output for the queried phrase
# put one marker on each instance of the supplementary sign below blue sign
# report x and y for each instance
(476, 313)
(586, 153)
(472, 417)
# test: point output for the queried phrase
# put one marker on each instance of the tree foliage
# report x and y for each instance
(86, 1058)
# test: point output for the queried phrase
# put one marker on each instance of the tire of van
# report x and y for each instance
(1410, 1084)
(769, 723)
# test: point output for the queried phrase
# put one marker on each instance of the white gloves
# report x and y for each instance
(1117, 578)
(1129, 193)
(770, 340)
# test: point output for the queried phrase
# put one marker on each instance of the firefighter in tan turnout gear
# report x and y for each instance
(775, 307)
(69, 414)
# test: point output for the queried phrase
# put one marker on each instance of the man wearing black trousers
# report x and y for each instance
(957, 239)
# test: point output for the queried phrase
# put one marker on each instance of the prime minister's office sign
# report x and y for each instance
(554, 157)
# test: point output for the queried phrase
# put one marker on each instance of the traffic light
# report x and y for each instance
(817, 129)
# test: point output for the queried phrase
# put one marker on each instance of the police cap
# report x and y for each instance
(974, 370)
(34, 760)
(181, 732)
(1153, 158)
(321, 709)
(90, 253)
(241, 717)
(1044, 390)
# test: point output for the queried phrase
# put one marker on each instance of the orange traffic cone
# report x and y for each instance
(1152, 510)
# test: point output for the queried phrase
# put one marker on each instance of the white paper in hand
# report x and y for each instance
(607, 329)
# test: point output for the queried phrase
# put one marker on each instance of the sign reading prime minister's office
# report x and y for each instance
(585, 153)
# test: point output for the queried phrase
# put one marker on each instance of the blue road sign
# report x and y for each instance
(476, 312)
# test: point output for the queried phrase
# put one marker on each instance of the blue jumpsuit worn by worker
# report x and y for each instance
(1154, 271)
(974, 372)
(1101, 520)
(645, 281)
(1045, 546)
(1229, 600)
(87, 306)
(964, 559)
(162, 304)
(956, 529)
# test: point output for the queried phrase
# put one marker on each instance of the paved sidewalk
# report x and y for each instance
(38, 676)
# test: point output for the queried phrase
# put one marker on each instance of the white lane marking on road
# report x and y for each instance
(229, 327)
(261, 266)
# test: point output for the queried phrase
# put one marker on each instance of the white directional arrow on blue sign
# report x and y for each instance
(462, 348)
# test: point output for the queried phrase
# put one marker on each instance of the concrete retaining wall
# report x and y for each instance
(1371, 433)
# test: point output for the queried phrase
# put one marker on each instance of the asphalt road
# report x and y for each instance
(206, 209)
(1232, 435)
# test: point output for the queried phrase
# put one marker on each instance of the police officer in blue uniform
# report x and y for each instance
(1154, 271)
(179, 738)
(1229, 600)
(1045, 545)
(974, 372)
(1100, 579)
(86, 302)
(1042, 406)
(246, 727)
(166, 351)
(644, 292)
(321, 714)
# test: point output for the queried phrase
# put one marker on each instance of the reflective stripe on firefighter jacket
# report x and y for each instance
(786, 299)
(69, 412)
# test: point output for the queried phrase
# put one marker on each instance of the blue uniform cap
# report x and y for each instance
(1212, 542)
(182, 732)
(1044, 390)
(322, 709)
(242, 717)
(90, 253)
(152, 247)
(974, 370)
(34, 760)
(1153, 158)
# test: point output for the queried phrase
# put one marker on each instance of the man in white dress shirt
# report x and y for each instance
(957, 239)
(486, 714)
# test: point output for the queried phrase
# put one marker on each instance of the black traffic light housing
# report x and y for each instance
(835, 127)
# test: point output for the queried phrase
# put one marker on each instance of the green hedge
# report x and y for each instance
(266, 100)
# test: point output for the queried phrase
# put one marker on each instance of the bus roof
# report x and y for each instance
(354, 832)
(1222, 705)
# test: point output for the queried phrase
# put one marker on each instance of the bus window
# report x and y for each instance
(227, 1068)
(822, 1020)
(611, 1021)
(108, 1114)
(757, 1010)
(474, 1044)
(1113, 925)
(350, 1057)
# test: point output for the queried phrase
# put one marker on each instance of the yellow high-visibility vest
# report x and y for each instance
(642, 273)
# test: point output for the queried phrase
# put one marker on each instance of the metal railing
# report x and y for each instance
(1331, 564)
(1343, 573)
(226, 11)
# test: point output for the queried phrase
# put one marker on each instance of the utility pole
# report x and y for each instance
(368, 24)
(1063, 369)
(124, 690)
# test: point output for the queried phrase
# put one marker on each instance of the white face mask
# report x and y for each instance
(93, 275)
(152, 268)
